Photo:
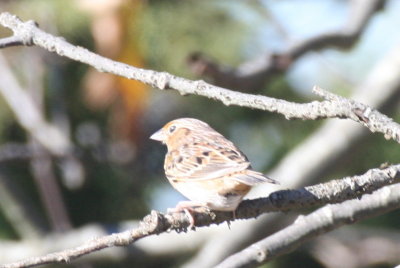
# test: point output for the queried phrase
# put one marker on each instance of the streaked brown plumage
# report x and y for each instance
(206, 167)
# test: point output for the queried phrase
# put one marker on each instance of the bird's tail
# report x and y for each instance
(251, 177)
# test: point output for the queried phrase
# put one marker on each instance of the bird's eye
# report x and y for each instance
(172, 128)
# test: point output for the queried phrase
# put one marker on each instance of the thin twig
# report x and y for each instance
(11, 41)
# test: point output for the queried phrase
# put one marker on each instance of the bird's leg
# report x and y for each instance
(187, 207)
(234, 218)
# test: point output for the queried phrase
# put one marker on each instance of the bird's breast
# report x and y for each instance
(218, 194)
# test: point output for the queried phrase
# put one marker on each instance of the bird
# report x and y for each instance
(205, 167)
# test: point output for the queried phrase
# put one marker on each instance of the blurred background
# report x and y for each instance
(76, 161)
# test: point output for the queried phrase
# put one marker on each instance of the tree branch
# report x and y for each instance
(169, 245)
(252, 75)
(156, 223)
(333, 107)
(15, 210)
(321, 221)
(11, 42)
(30, 117)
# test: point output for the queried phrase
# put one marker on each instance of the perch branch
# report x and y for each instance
(321, 221)
(156, 223)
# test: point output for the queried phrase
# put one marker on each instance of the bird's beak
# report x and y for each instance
(158, 136)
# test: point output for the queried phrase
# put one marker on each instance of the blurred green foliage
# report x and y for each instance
(170, 30)
(53, 15)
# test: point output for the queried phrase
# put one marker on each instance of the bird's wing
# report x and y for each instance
(203, 161)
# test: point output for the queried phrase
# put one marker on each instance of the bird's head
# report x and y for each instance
(180, 129)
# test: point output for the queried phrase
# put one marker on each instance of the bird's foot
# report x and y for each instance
(188, 207)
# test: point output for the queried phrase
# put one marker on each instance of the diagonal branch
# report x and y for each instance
(30, 117)
(333, 107)
(321, 221)
(157, 223)
(252, 75)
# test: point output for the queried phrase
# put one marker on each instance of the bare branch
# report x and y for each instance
(17, 151)
(49, 190)
(30, 118)
(321, 221)
(15, 211)
(334, 191)
(359, 15)
(156, 223)
(11, 42)
(252, 75)
(169, 245)
(332, 107)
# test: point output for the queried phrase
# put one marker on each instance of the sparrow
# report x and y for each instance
(205, 167)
